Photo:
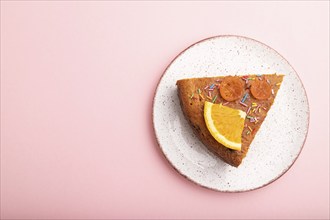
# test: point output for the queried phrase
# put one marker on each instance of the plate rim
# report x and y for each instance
(153, 116)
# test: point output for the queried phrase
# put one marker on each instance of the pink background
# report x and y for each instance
(77, 83)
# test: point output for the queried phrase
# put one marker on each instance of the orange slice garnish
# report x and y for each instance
(261, 89)
(231, 88)
(225, 124)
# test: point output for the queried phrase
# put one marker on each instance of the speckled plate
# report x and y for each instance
(276, 145)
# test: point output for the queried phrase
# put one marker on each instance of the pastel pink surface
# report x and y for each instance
(77, 83)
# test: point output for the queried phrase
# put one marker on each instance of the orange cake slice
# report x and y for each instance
(227, 112)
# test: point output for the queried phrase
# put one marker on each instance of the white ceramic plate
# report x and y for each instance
(276, 145)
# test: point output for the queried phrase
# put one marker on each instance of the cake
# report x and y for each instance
(251, 94)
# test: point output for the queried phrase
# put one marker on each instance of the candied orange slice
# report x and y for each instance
(231, 88)
(261, 89)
